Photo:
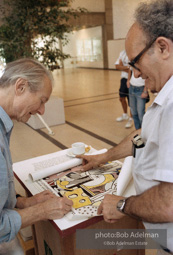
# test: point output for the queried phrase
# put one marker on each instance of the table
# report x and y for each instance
(51, 237)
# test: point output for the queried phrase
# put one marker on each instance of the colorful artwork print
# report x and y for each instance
(86, 189)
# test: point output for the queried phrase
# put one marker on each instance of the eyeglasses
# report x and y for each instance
(136, 59)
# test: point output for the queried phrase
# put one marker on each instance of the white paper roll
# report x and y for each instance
(99, 152)
(125, 175)
(55, 169)
(60, 167)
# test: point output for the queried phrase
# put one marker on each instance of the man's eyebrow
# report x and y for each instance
(45, 98)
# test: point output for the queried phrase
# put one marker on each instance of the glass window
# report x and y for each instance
(89, 49)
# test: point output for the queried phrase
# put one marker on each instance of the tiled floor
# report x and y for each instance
(150, 252)
(91, 108)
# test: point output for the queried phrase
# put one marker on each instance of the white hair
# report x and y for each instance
(28, 69)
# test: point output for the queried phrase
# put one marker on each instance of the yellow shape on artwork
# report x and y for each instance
(78, 197)
(108, 178)
(62, 184)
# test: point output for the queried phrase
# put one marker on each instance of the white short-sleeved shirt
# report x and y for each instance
(123, 57)
(154, 162)
(137, 82)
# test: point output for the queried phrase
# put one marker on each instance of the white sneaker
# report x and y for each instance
(123, 117)
(129, 123)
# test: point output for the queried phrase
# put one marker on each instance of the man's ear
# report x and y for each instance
(163, 44)
(20, 86)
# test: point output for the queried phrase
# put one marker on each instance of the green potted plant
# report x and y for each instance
(36, 28)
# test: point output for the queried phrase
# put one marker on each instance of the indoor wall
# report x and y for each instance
(123, 18)
(90, 5)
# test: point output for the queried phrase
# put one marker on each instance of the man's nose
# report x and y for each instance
(41, 109)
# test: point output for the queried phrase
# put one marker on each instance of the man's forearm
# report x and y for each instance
(52, 208)
(31, 215)
(154, 205)
(122, 68)
(123, 149)
(24, 202)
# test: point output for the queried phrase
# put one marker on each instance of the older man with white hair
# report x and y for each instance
(25, 87)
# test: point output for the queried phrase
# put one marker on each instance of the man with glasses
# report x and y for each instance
(149, 46)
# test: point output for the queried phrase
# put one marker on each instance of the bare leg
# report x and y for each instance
(124, 104)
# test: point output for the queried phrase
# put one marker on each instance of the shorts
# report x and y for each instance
(123, 91)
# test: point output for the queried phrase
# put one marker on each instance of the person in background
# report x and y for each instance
(122, 65)
(149, 46)
(25, 87)
(137, 91)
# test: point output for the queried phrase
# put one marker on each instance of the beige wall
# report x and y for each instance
(90, 5)
(114, 48)
(123, 11)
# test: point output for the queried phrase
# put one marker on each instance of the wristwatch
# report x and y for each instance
(121, 204)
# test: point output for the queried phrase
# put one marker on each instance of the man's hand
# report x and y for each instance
(93, 161)
(128, 84)
(109, 210)
(144, 94)
(24, 202)
(43, 196)
(56, 208)
(50, 209)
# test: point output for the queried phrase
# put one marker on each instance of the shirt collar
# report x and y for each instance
(8, 124)
(165, 92)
